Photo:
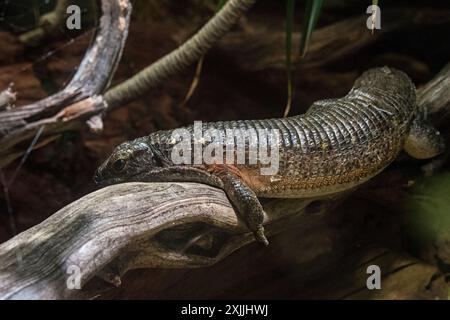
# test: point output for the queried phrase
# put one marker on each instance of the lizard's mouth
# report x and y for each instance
(107, 182)
(154, 175)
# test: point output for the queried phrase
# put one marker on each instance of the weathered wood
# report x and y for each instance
(316, 256)
(186, 225)
(128, 226)
(91, 79)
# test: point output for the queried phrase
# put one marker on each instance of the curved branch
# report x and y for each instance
(129, 226)
(177, 60)
(92, 77)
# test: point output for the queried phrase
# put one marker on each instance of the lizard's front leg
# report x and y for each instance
(246, 203)
(243, 198)
(240, 195)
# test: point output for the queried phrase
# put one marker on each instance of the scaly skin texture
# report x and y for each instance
(337, 145)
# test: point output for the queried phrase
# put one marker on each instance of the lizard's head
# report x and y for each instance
(128, 160)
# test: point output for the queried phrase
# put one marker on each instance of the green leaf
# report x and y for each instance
(313, 8)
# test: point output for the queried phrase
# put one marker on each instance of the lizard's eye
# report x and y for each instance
(119, 164)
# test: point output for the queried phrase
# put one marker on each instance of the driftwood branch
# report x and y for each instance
(128, 226)
(80, 99)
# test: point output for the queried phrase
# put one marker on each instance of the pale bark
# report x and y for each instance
(128, 226)
(80, 99)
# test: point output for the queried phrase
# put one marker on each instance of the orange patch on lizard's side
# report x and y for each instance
(220, 169)
(252, 178)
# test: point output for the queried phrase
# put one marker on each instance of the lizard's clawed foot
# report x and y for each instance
(260, 236)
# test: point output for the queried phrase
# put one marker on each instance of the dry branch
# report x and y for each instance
(80, 99)
(128, 226)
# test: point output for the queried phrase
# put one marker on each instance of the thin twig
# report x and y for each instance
(7, 184)
(194, 83)
(289, 98)
(25, 156)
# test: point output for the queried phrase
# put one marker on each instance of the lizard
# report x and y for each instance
(335, 146)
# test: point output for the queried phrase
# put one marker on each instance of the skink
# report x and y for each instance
(336, 145)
